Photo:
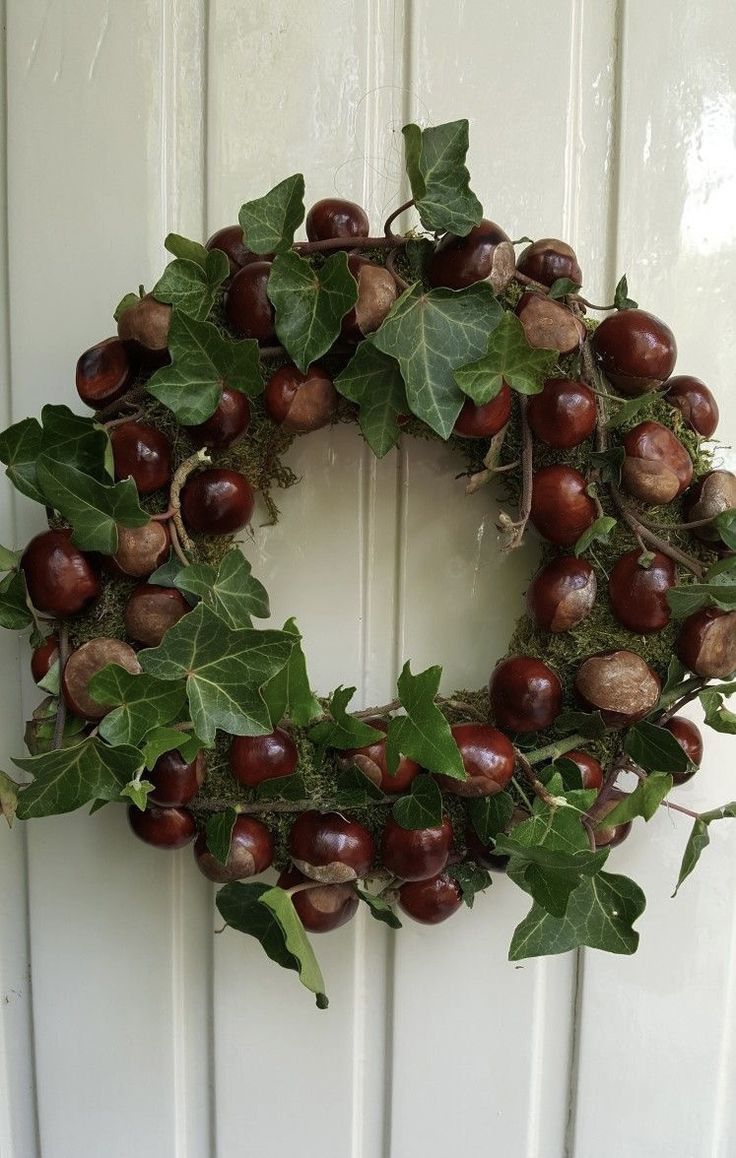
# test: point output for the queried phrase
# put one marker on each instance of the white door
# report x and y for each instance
(126, 1027)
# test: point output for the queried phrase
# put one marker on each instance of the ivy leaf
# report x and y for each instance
(422, 806)
(643, 801)
(269, 222)
(423, 734)
(700, 839)
(310, 303)
(191, 287)
(20, 446)
(343, 730)
(289, 692)
(8, 798)
(567, 770)
(717, 716)
(621, 299)
(186, 249)
(655, 749)
(137, 791)
(631, 408)
(609, 463)
(439, 179)
(353, 788)
(282, 788)
(587, 724)
(74, 440)
(600, 915)
(231, 591)
(93, 509)
(141, 703)
(725, 524)
(9, 560)
(724, 571)
(203, 362)
(224, 671)
(124, 304)
(598, 532)
(15, 614)
(508, 359)
(373, 382)
(380, 909)
(39, 731)
(561, 287)
(165, 575)
(431, 333)
(489, 815)
(160, 740)
(684, 601)
(268, 914)
(219, 832)
(472, 879)
(67, 778)
(676, 673)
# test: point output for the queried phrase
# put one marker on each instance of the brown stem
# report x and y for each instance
(113, 422)
(517, 529)
(679, 808)
(535, 784)
(331, 244)
(183, 472)
(401, 285)
(132, 398)
(164, 516)
(388, 231)
(176, 545)
(61, 703)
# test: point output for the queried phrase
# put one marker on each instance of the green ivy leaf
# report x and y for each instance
(655, 749)
(380, 909)
(343, 730)
(74, 440)
(600, 915)
(15, 614)
(587, 724)
(598, 532)
(124, 304)
(724, 571)
(268, 914)
(160, 740)
(137, 791)
(508, 359)
(219, 832)
(700, 839)
(190, 287)
(621, 299)
(431, 333)
(93, 509)
(567, 770)
(20, 446)
(8, 798)
(310, 303)
(439, 179)
(725, 524)
(67, 778)
(186, 249)
(683, 601)
(269, 223)
(165, 575)
(422, 806)
(489, 815)
(631, 408)
(203, 362)
(561, 287)
(717, 716)
(39, 731)
(282, 788)
(472, 880)
(676, 673)
(231, 591)
(643, 801)
(141, 703)
(353, 789)
(289, 692)
(423, 734)
(609, 463)
(224, 671)
(9, 560)
(373, 382)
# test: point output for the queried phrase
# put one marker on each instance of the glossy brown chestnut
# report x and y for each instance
(657, 468)
(713, 494)
(415, 854)
(696, 403)
(300, 402)
(248, 310)
(254, 759)
(548, 259)
(334, 217)
(564, 414)
(431, 901)
(689, 738)
(372, 762)
(163, 827)
(561, 506)
(83, 664)
(150, 612)
(61, 579)
(175, 781)
(638, 594)
(104, 373)
(636, 351)
(484, 254)
(230, 240)
(142, 549)
(146, 323)
(591, 770)
(322, 908)
(526, 695)
(486, 420)
(548, 324)
(44, 657)
(562, 593)
(376, 294)
(618, 684)
(488, 759)
(329, 848)
(251, 852)
(227, 425)
(609, 837)
(142, 453)
(707, 643)
(218, 501)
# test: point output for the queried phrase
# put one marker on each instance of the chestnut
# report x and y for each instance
(657, 468)
(104, 373)
(44, 657)
(484, 254)
(415, 854)
(548, 259)
(526, 695)
(712, 494)
(254, 759)
(217, 502)
(561, 506)
(329, 848)
(163, 827)
(142, 549)
(146, 323)
(61, 579)
(562, 593)
(431, 901)
(591, 770)
(175, 780)
(707, 643)
(251, 852)
(322, 908)
(227, 425)
(334, 217)
(150, 612)
(484, 421)
(618, 684)
(488, 759)
(300, 402)
(83, 664)
(231, 242)
(248, 310)
(638, 594)
(371, 760)
(564, 414)
(636, 351)
(695, 402)
(142, 453)
(689, 738)
(376, 294)
(549, 325)
(609, 837)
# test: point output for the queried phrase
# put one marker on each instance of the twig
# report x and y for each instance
(113, 422)
(391, 267)
(336, 243)
(61, 702)
(176, 545)
(516, 529)
(535, 784)
(201, 458)
(132, 398)
(388, 231)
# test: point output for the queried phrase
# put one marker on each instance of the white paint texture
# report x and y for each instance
(126, 1028)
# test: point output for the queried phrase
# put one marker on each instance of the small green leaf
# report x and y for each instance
(472, 880)
(643, 801)
(609, 463)
(631, 408)
(724, 571)
(509, 359)
(439, 179)
(562, 287)
(39, 731)
(8, 798)
(600, 914)
(220, 834)
(9, 560)
(700, 839)
(190, 287)
(655, 749)
(137, 791)
(598, 532)
(683, 601)
(165, 575)
(676, 673)
(422, 807)
(353, 789)
(232, 592)
(141, 703)
(269, 222)
(587, 724)
(15, 613)
(725, 524)
(490, 815)
(423, 734)
(717, 716)
(567, 770)
(75, 441)
(123, 305)
(51, 681)
(380, 909)
(67, 778)
(94, 510)
(374, 383)
(343, 730)
(310, 303)
(289, 692)
(160, 740)
(282, 788)
(188, 250)
(20, 446)
(621, 299)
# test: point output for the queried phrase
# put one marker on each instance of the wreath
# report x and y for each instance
(162, 694)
